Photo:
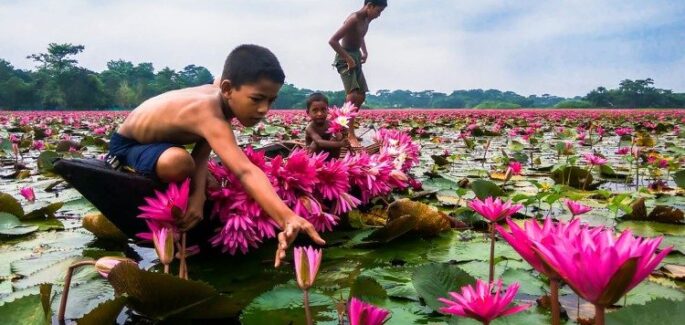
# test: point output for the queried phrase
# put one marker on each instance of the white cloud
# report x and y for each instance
(564, 48)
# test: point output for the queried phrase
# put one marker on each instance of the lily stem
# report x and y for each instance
(492, 251)
(67, 284)
(554, 295)
(599, 315)
(307, 312)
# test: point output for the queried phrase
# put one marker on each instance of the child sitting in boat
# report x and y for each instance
(317, 137)
(150, 140)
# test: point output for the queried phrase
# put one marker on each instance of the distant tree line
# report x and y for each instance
(59, 83)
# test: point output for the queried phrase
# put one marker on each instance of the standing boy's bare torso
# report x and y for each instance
(175, 117)
(353, 38)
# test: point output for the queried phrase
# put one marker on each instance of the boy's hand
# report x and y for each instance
(193, 214)
(350, 63)
(293, 225)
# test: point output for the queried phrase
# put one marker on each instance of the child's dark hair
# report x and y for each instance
(316, 97)
(377, 3)
(249, 63)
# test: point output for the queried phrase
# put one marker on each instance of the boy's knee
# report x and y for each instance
(175, 165)
(313, 147)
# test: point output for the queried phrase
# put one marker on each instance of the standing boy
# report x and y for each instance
(151, 137)
(350, 48)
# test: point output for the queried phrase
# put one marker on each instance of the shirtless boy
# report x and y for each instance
(350, 48)
(317, 137)
(151, 137)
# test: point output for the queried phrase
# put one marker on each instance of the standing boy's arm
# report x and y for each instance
(219, 135)
(365, 54)
(334, 42)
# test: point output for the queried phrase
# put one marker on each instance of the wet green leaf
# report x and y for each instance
(105, 313)
(284, 305)
(657, 311)
(10, 205)
(433, 281)
(484, 189)
(27, 310)
(162, 296)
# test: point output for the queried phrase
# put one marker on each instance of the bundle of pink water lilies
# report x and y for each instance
(315, 187)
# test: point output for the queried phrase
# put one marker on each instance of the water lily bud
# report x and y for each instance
(105, 264)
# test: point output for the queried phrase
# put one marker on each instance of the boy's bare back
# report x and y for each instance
(176, 116)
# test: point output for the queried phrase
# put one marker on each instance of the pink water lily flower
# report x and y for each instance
(598, 266)
(594, 160)
(494, 209)
(307, 261)
(163, 239)
(577, 208)
(362, 313)
(28, 193)
(514, 168)
(481, 303)
(165, 205)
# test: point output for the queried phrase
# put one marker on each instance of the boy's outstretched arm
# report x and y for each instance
(326, 144)
(219, 135)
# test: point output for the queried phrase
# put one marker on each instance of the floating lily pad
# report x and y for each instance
(484, 189)
(105, 313)
(433, 281)
(10, 205)
(283, 305)
(651, 229)
(657, 311)
(162, 296)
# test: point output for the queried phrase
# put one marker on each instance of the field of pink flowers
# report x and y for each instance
(502, 216)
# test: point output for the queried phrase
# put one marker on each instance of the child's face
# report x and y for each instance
(318, 111)
(375, 11)
(252, 101)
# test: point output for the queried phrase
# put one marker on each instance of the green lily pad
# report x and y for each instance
(368, 289)
(162, 296)
(27, 310)
(44, 212)
(657, 311)
(105, 313)
(284, 305)
(433, 281)
(679, 178)
(395, 280)
(484, 189)
(573, 176)
(8, 221)
(652, 229)
(10, 205)
(45, 161)
(648, 290)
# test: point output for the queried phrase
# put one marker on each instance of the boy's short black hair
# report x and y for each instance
(316, 97)
(248, 63)
(378, 3)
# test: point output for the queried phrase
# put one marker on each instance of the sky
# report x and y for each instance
(564, 48)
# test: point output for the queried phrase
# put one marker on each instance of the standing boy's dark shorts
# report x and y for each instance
(140, 157)
(352, 79)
